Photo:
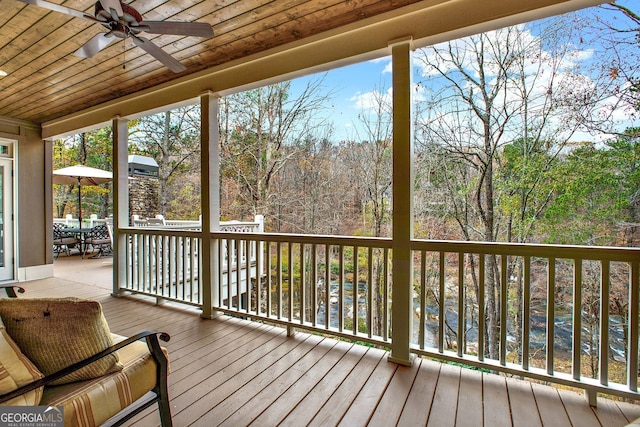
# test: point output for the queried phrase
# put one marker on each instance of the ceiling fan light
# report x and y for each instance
(3, 73)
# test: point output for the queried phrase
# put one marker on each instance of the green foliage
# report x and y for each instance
(362, 324)
(94, 149)
(526, 183)
(595, 188)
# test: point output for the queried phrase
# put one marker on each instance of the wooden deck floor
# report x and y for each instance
(234, 372)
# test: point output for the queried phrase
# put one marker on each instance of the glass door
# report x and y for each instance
(6, 219)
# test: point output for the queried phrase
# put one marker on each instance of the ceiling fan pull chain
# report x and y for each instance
(124, 53)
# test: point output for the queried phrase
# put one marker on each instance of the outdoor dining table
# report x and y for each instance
(80, 232)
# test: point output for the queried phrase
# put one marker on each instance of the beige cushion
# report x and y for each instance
(15, 371)
(91, 403)
(57, 332)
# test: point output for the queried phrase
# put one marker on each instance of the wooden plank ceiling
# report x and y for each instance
(46, 81)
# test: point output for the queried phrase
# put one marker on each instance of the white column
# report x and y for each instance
(120, 130)
(210, 203)
(401, 313)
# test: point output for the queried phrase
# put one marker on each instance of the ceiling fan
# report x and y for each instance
(122, 21)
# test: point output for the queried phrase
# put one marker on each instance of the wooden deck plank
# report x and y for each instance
(524, 411)
(246, 371)
(334, 409)
(579, 411)
(315, 399)
(443, 408)
(496, 401)
(388, 411)
(242, 383)
(369, 395)
(630, 411)
(609, 414)
(469, 398)
(418, 405)
(292, 374)
(550, 407)
(290, 399)
(258, 378)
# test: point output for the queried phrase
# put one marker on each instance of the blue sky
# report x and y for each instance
(348, 85)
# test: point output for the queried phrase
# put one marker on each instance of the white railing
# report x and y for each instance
(88, 222)
(165, 264)
(562, 314)
(310, 282)
(163, 258)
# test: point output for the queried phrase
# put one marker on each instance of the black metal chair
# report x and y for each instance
(98, 238)
(63, 241)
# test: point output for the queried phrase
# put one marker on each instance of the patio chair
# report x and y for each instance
(62, 240)
(99, 238)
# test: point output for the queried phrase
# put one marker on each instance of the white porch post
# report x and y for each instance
(401, 313)
(120, 130)
(210, 203)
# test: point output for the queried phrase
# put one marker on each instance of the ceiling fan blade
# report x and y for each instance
(58, 8)
(113, 7)
(162, 56)
(95, 45)
(196, 29)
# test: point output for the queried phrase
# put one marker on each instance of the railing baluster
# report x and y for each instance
(577, 318)
(238, 272)
(144, 278)
(222, 255)
(354, 290)
(603, 347)
(504, 260)
(340, 288)
(385, 297)
(481, 313)
(279, 279)
(551, 308)
(461, 303)
(141, 261)
(259, 262)
(290, 280)
(370, 284)
(269, 280)
(423, 299)
(173, 267)
(526, 311)
(634, 303)
(166, 278)
(313, 264)
(442, 298)
(247, 274)
(302, 285)
(327, 287)
(184, 261)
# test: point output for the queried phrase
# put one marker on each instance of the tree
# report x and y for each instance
(91, 149)
(172, 138)
(261, 130)
(370, 164)
(612, 32)
(486, 92)
(596, 195)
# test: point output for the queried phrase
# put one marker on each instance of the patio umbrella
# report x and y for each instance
(81, 175)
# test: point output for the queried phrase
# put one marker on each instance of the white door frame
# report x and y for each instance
(7, 212)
